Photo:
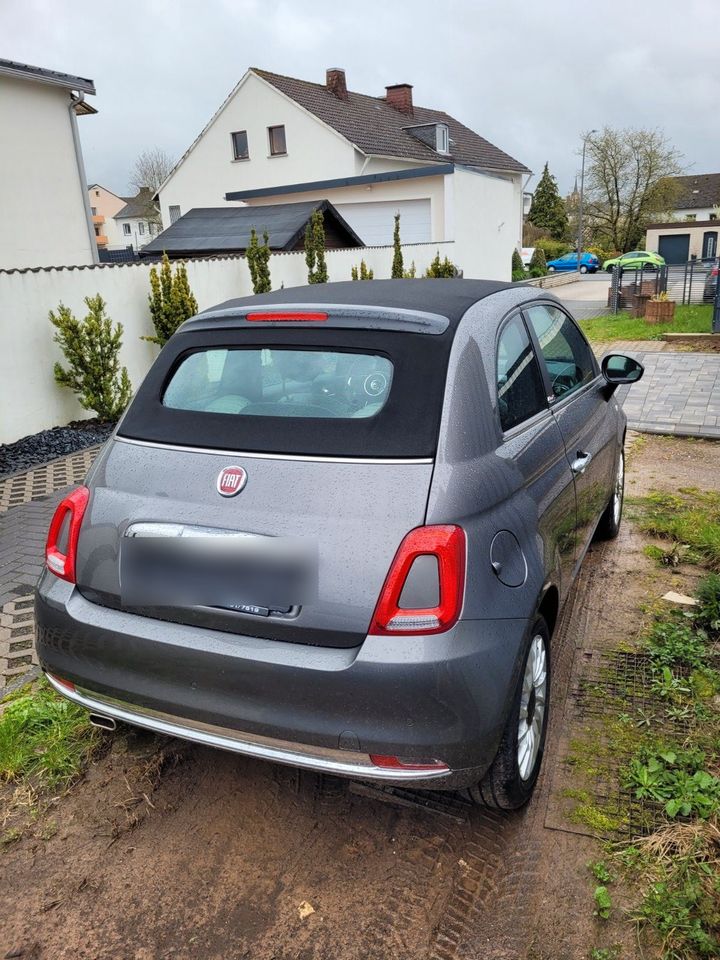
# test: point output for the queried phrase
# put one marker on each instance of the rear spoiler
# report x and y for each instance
(319, 314)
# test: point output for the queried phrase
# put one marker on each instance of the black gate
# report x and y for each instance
(693, 282)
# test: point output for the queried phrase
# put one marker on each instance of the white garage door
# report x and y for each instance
(374, 222)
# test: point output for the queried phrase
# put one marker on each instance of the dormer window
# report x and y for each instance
(435, 135)
(442, 138)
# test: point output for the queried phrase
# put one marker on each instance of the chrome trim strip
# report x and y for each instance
(346, 763)
(271, 456)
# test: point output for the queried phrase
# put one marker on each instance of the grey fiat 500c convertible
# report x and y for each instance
(336, 528)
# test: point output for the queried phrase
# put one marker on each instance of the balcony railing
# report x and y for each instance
(98, 218)
(101, 240)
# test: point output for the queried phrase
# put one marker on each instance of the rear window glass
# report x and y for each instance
(281, 382)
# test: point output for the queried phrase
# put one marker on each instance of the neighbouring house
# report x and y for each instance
(692, 234)
(203, 232)
(698, 197)
(104, 204)
(277, 139)
(138, 221)
(44, 204)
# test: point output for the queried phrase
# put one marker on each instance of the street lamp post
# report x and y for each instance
(580, 204)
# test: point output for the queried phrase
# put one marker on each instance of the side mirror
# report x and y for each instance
(618, 369)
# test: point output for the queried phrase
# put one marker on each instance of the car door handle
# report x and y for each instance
(580, 462)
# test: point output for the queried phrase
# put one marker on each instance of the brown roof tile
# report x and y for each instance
(377, 128)
(707, 186)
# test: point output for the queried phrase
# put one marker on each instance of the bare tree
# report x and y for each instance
(150, 170)
(628, 182)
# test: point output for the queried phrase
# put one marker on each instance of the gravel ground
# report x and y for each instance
(49, 444)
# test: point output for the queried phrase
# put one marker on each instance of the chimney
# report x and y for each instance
(399, 96)
(335, 82)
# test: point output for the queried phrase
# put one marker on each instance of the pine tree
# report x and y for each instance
(257, 257)
(92, 350)
(548, 208)
(315, 249)
(171, 300)
(397, 263)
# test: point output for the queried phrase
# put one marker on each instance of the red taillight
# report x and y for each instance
(447, 545)
(714, 271)
(72, 508)
(403, 763)
(68, 684)
(286, 317)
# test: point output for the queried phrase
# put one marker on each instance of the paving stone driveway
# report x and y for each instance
(679, 394)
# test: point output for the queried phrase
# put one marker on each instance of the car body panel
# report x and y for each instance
(570, 262)
(635, 260)
(318, 679)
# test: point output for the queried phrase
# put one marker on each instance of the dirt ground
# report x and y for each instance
(168, 850)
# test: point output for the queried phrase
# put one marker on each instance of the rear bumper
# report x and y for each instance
(327, 709)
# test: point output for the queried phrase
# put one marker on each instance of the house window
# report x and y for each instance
(240, 145)
(97, 193)
(126, 229)
(94, 211)
(277, 141)
(713, 216)
(691, 216)
(442, 138)
(141, 228)
(97, 231)
(174, 213)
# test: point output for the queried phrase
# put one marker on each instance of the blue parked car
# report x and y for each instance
(589, 263)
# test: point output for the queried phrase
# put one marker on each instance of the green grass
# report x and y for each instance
(689, 519)
(44, 737)
(689, 319)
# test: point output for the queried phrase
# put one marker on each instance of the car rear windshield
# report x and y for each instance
(332, 392)
(281, 382)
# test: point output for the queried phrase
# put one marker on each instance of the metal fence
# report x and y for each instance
(685, 283)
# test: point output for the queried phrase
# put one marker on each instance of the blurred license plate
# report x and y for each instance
(173, 565)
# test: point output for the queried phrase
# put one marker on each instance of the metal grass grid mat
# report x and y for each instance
(613, 692)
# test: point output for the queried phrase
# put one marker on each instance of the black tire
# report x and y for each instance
(608, 269)
(609, 526)
(503, 787)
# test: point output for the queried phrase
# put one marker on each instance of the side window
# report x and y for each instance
(519, 383)
(569, 360)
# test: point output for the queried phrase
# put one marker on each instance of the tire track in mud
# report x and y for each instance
(494, 860)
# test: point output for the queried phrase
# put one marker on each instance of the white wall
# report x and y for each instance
(138, 237)
(31, 401)
(314, 152)
(487, 213)
(41, 196)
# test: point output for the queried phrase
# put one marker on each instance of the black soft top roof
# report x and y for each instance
(447, 298)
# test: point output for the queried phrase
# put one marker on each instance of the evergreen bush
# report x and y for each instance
(538, 264)
(517, 268)
(440, 268)
(315, 249)
(397, 271)
(257, 257)
(92, 350)
(171, 300)
(363, 273)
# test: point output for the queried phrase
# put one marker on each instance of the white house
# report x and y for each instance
(45, 217)
(276, 139)
(137, 222)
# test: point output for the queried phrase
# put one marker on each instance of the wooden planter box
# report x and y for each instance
(660, 311)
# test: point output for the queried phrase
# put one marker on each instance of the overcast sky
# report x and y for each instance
(530, 76)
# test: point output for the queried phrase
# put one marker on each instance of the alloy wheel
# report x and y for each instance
(532, 707)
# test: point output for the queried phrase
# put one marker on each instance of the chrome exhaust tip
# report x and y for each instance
(105, 723)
